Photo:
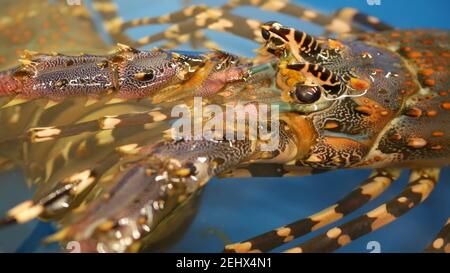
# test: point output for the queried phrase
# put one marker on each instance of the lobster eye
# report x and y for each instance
(265, 34)
(306, 93)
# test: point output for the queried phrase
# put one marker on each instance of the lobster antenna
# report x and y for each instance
(299, 42)
(328, 79)
(325, 77)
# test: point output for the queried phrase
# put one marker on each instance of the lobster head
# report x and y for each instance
(344, 92)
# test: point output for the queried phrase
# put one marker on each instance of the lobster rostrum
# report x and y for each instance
(352, 103)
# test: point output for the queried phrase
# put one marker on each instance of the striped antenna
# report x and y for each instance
(325, 77)
(299, 42)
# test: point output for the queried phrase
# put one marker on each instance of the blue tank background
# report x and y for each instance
(237, 209)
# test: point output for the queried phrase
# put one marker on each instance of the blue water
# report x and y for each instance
(237, 209)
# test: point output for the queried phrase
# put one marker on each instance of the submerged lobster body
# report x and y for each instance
(375, 100)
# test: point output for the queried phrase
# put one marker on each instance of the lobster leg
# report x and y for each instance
(171, 18)
(188, 22)
(421, 184)
(111, 20)
(154, 181)
(29, 210)
(61, 193)
(329, 22)
(442, 241)
(214, 19)
(197, 39)
(116, 26)
(42, 134)
(64, 196)
(352, 16)
(341, 22)
(368, 190)
(219, 20)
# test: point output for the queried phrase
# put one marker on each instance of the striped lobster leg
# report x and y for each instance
(354, 17)
(421, 184)
(117, 27)
(371, 188)
(442, 241)
(188, 23)
(64, 196)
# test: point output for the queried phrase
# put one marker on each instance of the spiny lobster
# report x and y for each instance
(385, 83)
